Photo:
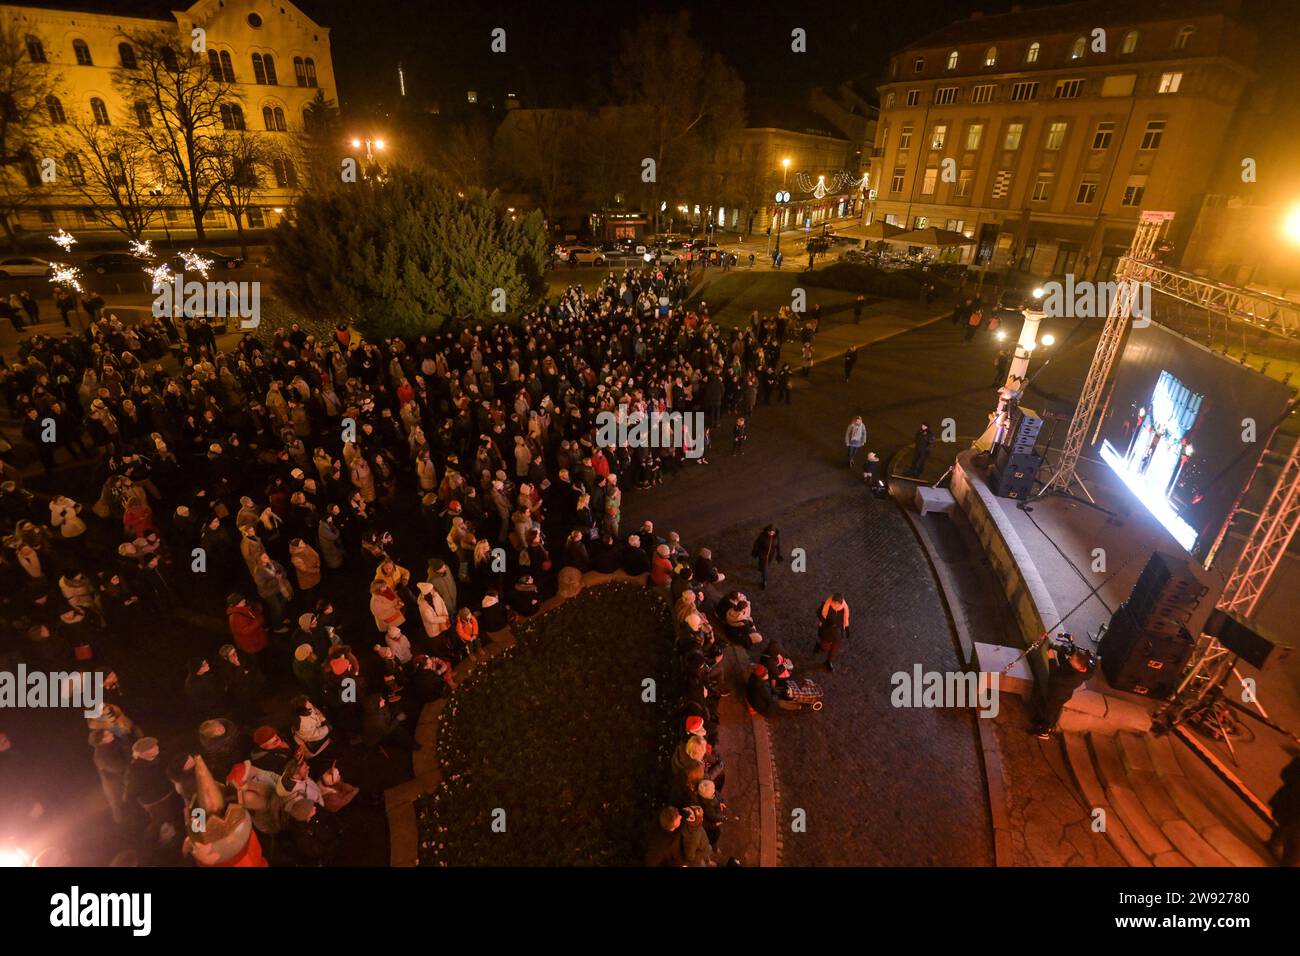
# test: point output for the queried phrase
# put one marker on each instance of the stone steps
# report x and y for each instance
(1153, 813)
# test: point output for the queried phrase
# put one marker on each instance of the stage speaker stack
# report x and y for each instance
(1015, 473)
(1023, 436)
(1240, 637)
(1147, 644)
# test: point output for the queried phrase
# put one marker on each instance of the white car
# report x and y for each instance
(585, 255)
(23, 266)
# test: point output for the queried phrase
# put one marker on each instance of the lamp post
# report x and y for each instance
(1017, 373)
(372, 145)
(782, 200)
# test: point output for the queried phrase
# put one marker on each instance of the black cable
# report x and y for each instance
(1074, 567)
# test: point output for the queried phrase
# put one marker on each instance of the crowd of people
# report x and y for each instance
(363, 514)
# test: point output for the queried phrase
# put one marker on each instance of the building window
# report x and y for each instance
(945, 96)
(1101, 138)
(913, 97)
(300, 71)
(268, 61)
(99, 111)
(1184, 37)
(221, 66)
(55, 109)
(1056, 135)
(991, 56)
(964, 179)
(126, 56)
(983, 93)
(1014, 132)
(889, 101)
(905, 137)
(939, 136)
(1155, 132)
(896, 182)
(1130, 42)
(82, 53)
(35, 50)
(974, 133)
(1134, 191)
(952, 60)
(1025, 90)
(143, 119)
(1042, 187)
(1002, 184)
(232, 116)
(30, 170)
(1068, 89)
(931, 177)
(255, 218)
(1087, 192)
(259, 71)
(1079, 49)
(285, 175)
(918, 65)
(72, 163)
(169, 62)
(116, 168)
(1170, 82)
(1031, 55)
(273, 118)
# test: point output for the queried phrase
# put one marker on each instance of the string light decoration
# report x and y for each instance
(64, 240)
(160, 276)
(841, 180)
(142, 249)
(61, 274)
(196, 263)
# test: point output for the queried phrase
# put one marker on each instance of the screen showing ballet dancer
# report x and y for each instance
(1183, 428)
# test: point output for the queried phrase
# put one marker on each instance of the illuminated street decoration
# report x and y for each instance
(196, 263)
(142, 249)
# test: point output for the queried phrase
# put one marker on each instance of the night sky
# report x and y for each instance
(559, 53)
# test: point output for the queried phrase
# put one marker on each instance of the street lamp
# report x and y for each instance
(371, 144)
(1291, 224)
(782, 200)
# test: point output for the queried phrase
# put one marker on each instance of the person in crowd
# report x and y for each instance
(767, 548)
(832, 627)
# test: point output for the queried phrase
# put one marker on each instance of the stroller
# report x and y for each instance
(805, 692)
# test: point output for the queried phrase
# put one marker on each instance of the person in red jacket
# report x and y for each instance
(247, 624)
(661, 567)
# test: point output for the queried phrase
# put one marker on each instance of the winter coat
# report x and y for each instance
(64, 516)
(331, 545)
(434, 614)
(386, 608)
(306, 562)
(247, 628)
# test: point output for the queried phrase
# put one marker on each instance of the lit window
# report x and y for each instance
(1130, 42)
(965, 179)
(931, 177)
(1169, 82)
(939, 136)
(991, 56)
(952, 60)
(1079, 49)
(1012, 139)
(974, 132)
(1184, 37)
(1031, 55)
(1056, 135)
(889, 101)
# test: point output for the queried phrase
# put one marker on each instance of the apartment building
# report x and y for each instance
(1044, 133)
(274, 57)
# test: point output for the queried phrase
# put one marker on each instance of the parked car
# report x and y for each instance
(668, 255)
(23, 266)
(106, 263)
(614, 251)
(586, 256)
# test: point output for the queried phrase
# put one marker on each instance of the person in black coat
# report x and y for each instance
(523, 598)
(205, 690)
(664, 844)
(1064, 677)
(760, 693)
(634, 557)
(767, 548)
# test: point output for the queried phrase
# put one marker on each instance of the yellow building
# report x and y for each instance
(1044, 133)
(274, 57)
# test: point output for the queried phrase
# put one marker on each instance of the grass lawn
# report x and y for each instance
(553, 742)
(734, 295)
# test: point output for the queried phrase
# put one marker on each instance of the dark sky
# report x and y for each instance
(559, 51)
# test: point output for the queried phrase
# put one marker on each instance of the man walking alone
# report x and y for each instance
(855, 436)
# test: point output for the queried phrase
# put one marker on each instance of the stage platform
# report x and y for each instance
(1044, 552)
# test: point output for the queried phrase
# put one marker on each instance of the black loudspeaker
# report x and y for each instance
(1015, 474)
(1025, 426)
(1241, 638)
(1166, 595)
(1144, 662)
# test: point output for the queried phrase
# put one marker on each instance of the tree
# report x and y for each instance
(26, 83)
(319, 145)
(399, 257)
(114, 173)
(189, 105)
(538, 151)
(686, 101)
(239, 160)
